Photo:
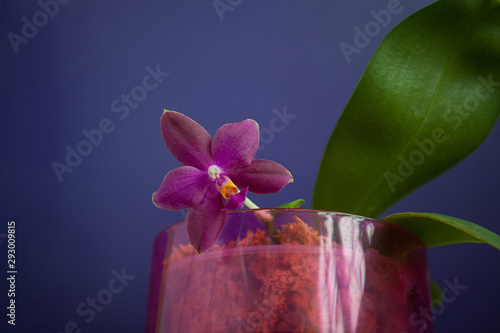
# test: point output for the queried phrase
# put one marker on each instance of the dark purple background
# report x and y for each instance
(262, 55)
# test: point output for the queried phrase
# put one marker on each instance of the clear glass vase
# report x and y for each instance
(291, 270)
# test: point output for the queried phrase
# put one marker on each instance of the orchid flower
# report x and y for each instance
(216, 174)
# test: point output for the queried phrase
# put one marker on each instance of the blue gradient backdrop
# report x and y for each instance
(262, 55)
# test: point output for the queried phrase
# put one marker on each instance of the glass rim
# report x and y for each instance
(374, 220)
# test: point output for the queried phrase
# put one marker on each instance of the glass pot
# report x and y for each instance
(290, 270)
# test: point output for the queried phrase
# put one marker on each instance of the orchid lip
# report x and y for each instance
(224, 184)
(226, 187)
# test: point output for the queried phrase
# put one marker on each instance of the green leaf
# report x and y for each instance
(428, 98)
(437, 229)
(436, 294)
(294, 204)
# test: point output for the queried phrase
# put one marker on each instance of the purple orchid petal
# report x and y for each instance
(237, 200)
(205, 223)
(234, 145)
(261, 177)
(186, 139)
(182, 188)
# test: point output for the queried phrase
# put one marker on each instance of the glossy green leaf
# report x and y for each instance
(429, 96)
(294, 204)
(437, 229)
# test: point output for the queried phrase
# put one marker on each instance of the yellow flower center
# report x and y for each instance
(227, 188)
(224, 185)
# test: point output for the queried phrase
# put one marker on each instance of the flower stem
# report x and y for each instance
(249, 203)
(267, 218)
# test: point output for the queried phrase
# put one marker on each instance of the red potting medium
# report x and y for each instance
(329, 273)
